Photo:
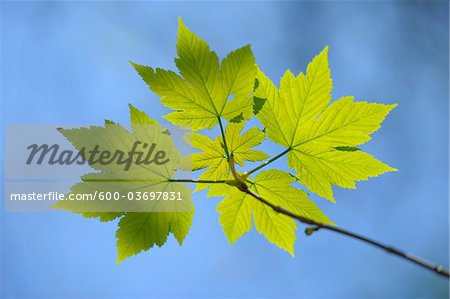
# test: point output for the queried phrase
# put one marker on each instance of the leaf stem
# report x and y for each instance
(158, 181)
(438, 269)
(222, 132)
(197, 181)
(265, 163)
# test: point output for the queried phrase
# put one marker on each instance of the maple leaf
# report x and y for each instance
(142, 224)
(237, 208)
(320, 138)
(213, 157)
(205, 90)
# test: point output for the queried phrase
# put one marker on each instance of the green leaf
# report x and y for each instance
(237, 208)
(212, 155)
(346, 148)
(205, 90)
(109, 122)
(137, 230)
(257, 104)
(318, 135)
(141, 231)
(139, 117)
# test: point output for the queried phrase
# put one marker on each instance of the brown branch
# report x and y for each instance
(239, 182)
(440, 270)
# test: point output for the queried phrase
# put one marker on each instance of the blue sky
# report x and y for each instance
(67, 63)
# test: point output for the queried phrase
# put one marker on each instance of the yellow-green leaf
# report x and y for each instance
(205, 90)
(237, 208)
(298, 117)
(143, 223)
(320, 168)
(212, 155)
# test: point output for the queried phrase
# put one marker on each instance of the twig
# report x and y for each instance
(315, 226)
(438, 269)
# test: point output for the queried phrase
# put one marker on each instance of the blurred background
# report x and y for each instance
(67, 63)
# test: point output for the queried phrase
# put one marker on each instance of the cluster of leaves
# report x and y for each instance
(320, 140)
